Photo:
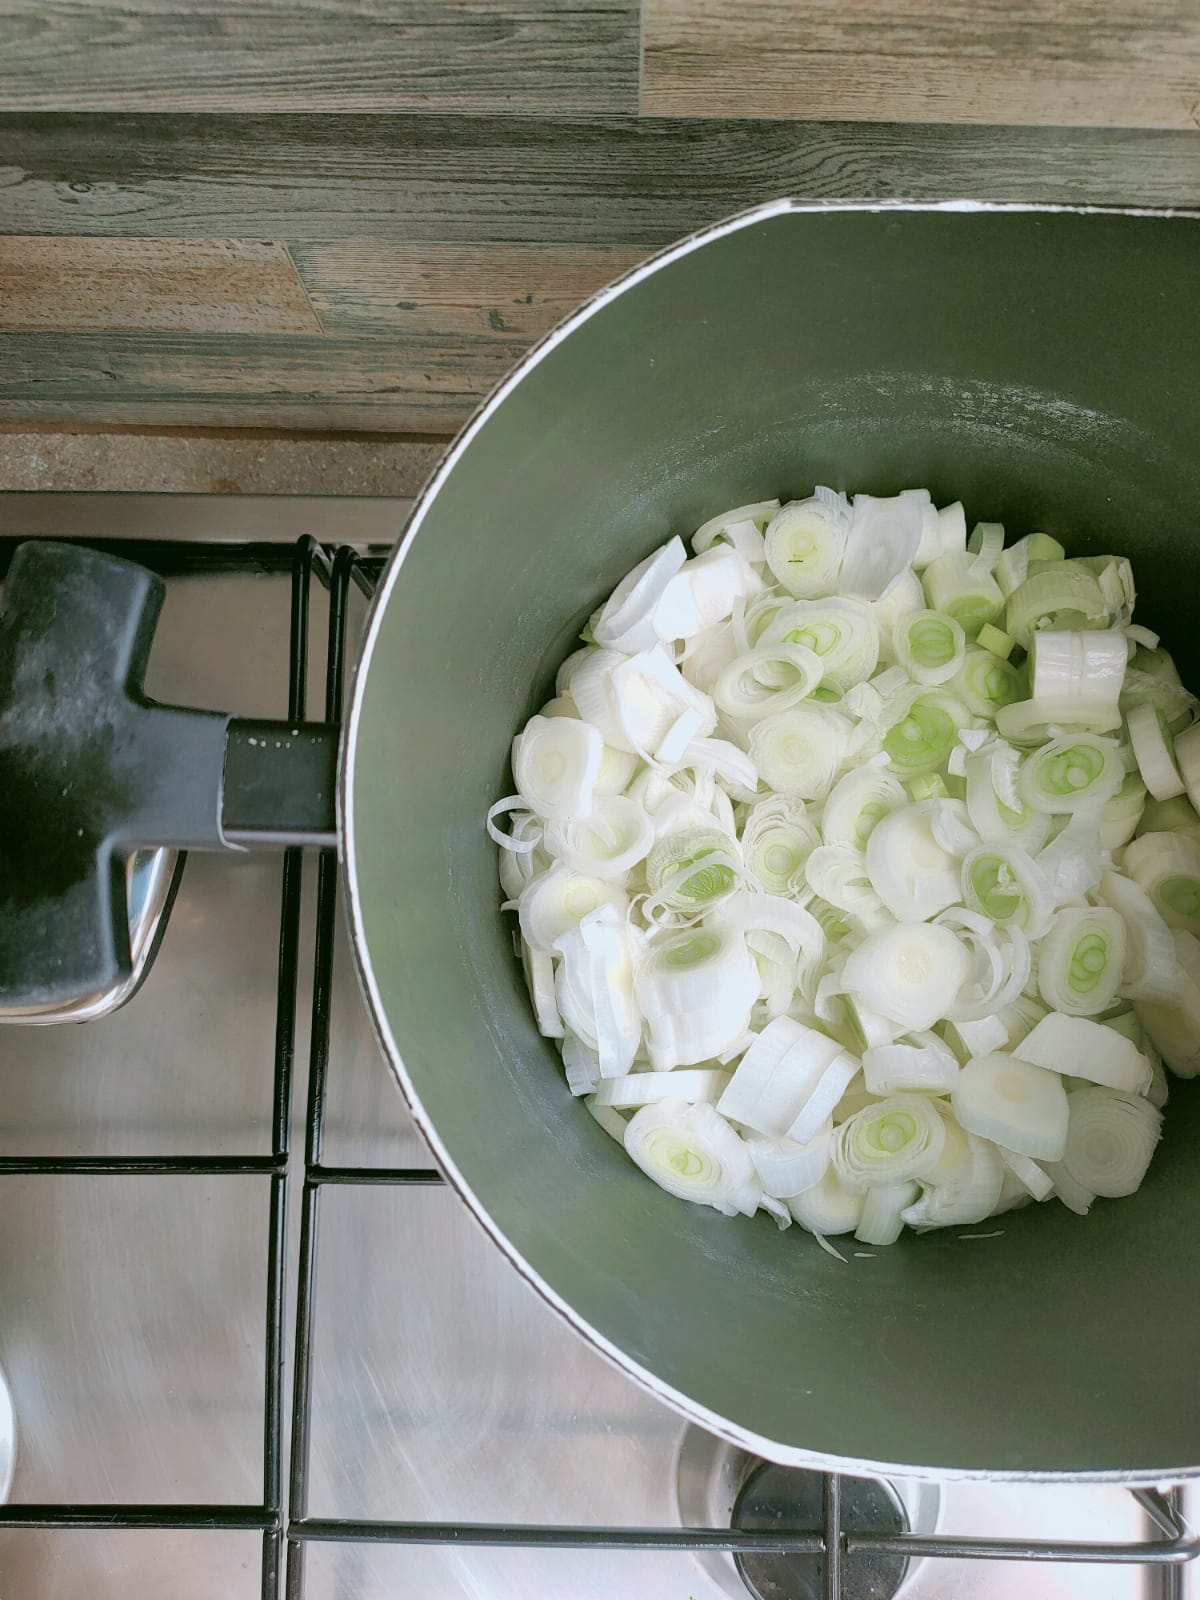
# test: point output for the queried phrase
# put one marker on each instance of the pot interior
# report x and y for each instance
(1045, 369)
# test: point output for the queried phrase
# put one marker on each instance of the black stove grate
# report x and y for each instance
(286, 1533)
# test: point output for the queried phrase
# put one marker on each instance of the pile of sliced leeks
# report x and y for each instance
(857, 868)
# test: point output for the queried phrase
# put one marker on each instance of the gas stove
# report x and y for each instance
(255, 1346)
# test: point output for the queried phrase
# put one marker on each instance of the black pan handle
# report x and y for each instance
(91, 770)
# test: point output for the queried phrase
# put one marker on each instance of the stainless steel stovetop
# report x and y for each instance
(444, 1392)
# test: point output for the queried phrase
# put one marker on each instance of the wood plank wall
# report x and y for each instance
(355, 214)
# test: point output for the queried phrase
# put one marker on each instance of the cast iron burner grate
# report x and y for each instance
(287, 1529)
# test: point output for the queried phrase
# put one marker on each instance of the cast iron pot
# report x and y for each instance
(1043, 365)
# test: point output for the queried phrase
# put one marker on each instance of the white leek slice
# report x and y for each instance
(805, 541)
(829, 1207)
(770, 678)
(1085, 1049)
(613, 1123)
(1081, 959)
(1012, 566)
(653, 700)
(1000, 964)
(1167, 866)
(1028, 1174)
(693, 1153)
(943, 532)
(883, 540)
(838, 874)
(843, 632)
(955, 585)
(892, 1141)
(702, 594)
(1170, 816)
(884, 1209)
(1004, 883)
(997, 812)
(929, 646)
(1082, 666)
(1065, 594)
(985, 544)
(594, 987)
(824, 1094)
(996, 642)
(1151, 972)
(979, 1038)
(696, 990)
(539, 978)
(1013, 1103)
(857, 802)
(1174, 1028)
(920, 730)
(588, 677)
(905, 596)
(556, 761)
(1122, 816)
(1073, 862)
(1110, 1141)
(786, 1168)
(777, 1076)
(1154, 751)
(910, 973)
(799, 751)
(777, 839)
(909, 870)
(1073, 1194)
(776, 1209)
(736, 527)
(920, 1063)
(693, 1084)
(986, 684)
(560, 898)
(706, 656)
(615, 835)
(691, 871)
(1030, 721)
(1075, 771)
(1151, 676)
(720, 759)
(965, 1184)
(626, 620)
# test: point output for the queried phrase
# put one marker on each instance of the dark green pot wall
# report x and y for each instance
(1046, 369)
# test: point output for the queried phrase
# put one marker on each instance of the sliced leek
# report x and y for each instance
(857, 868)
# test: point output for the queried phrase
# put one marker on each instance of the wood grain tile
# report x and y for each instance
(1069, 62)
(320, 55)
(487, 291)
(184, 285)
(626, 182)
(285, 381)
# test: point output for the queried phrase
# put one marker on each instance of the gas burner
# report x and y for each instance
(775, 1497)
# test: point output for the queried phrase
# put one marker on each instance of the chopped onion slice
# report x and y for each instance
(1013, 1103)
(1086, 1049)
(693, 1153)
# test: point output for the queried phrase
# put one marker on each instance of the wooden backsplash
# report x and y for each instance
(357, 213)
